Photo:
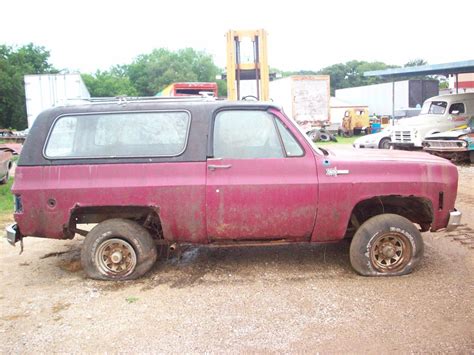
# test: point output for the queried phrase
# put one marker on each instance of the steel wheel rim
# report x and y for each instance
(116, 257)
(390, 252)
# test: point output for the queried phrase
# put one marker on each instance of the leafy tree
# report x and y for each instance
(443, 83)
(416, 63)
(222, 88)
(151, 73)
(351, 74)
(109, 83)
(14, 64)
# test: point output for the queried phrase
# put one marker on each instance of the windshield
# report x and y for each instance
(434, 108)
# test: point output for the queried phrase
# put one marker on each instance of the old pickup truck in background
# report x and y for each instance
(438, 114)
(456, 145)
(153, 173)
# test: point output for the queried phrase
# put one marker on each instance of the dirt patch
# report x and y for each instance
(13, 317)
(60, 306)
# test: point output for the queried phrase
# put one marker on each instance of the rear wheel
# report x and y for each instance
(118, 249)
(386, 245)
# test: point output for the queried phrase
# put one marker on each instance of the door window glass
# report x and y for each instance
(459, 107)
(292, 148)
(245, 134)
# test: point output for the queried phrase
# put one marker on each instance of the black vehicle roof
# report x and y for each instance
(155, 104)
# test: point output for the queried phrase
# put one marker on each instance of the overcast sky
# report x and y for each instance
(87, 35)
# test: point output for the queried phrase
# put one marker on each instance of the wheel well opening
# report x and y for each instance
(147, 216)
(418, 210)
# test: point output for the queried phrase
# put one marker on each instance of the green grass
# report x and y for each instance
(340, 140)
(6, 197)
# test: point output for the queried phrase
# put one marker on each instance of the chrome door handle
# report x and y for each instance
(214, 167)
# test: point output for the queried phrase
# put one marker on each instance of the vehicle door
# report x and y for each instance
(261, 178)
(457, 115)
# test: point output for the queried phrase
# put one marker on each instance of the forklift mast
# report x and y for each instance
(252, 66)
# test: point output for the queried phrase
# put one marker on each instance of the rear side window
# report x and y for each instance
(131, 134)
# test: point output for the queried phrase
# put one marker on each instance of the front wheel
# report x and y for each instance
(386, 245)
(118, 249)
(385, 143)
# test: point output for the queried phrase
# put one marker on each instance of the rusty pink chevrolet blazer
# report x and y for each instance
(155, 173)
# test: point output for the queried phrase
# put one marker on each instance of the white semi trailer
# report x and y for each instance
(48, 90)
(305, 98)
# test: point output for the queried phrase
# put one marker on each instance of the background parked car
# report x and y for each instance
(380, 140)
(5, 164)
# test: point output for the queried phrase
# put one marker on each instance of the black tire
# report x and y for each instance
(348, 133)
(385, 143)
(386, 245)
(314, 135)
(324, 137)
(124, 239)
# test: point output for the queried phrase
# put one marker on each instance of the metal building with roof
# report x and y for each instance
(446, 69)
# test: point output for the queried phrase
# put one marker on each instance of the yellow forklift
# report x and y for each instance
(247, 70)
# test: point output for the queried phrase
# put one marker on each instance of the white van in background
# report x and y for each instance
(438, 114)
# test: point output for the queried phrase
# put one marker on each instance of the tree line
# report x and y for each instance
(147, 75)
(14, 64)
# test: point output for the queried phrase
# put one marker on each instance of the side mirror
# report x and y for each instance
(455, 112)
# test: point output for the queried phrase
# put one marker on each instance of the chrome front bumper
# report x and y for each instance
(12, 234)
(454, 220)
(366, 145)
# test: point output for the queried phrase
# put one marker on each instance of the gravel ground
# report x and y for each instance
(297, 298)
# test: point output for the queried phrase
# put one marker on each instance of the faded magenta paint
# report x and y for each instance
(263, 198)
(178, 190)
(308, 198)
(381, 173)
